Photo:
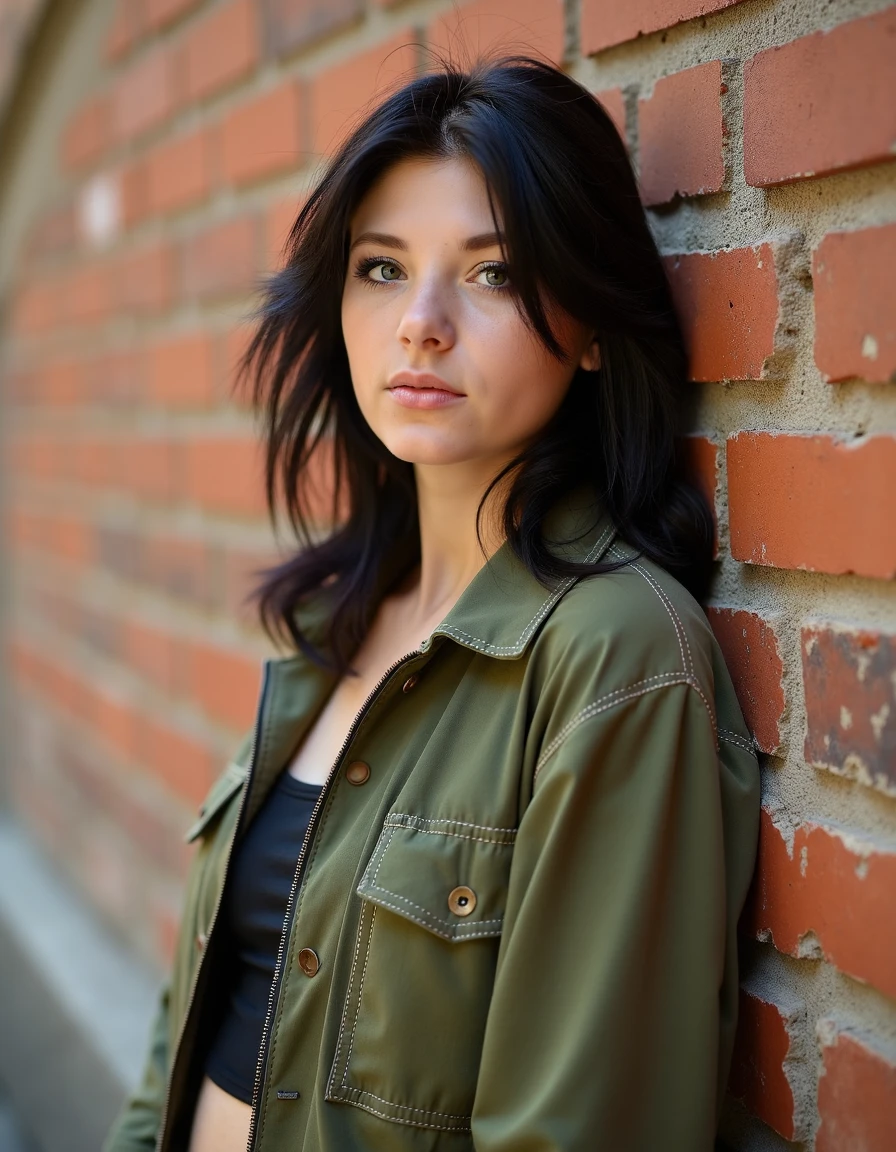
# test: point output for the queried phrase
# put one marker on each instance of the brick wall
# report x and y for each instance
(764, 134)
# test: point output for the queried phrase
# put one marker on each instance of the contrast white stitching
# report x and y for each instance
(483, 646)
(455, 835)
(453, 929)
(351, 981)
(410, 1108)
(400, 1119)
(434, 820)
(681, 634)
(667, 677)
(351, 1043)
(736, 738)
(594, 709)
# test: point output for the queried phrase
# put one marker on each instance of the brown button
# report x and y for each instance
(201, 941)
(462, 901)
(410, 682)
(357, 772)
(309, 962)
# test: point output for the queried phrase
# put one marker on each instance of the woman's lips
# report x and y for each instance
(422, 390)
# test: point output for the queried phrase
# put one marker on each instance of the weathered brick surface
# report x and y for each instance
(606, 22)
(222, 260)
(613, 101)
(813, 502)
(339, 95)
(827, 893)
(680, 135)
(822, 103)
(145, 95)
(750, 646)
(263, 137)
(291, 25)
(220, 49)
(855, 323)
(849, 679)
(855, 1098)
(87, 134)
(728, 305)
(483, 26)
(758, 1077)
(178, 173)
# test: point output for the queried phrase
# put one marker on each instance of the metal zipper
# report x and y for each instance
(252, 764)
(285, 930)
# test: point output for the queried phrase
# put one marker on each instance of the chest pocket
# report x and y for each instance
(227, 784)
(433, 901)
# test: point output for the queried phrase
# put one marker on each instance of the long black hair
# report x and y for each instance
(575, 235)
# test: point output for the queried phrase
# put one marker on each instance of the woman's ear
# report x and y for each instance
(591, 357)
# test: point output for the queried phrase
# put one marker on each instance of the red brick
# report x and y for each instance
(180, 372)
(278, 221)
(146, 279)
(263, 137)
(727, 302)
(225, 684)
(294, 24)
(179, 761)
(486, 26)
(813, 502)
(115, 375)
(145, 96)
(758, 1077)
(855, 304)
(178, 173)
(71, 540)
(241, 577)
(117, 722)
(613, 101)
(680, 135)
(829, 895)
(37, 307)
(126, 27)
(340, 95)
(607, 22)
(821, 104)
(63, 383)
(222, 260)
(750, 647)
(151, 468)
(53, 232)
(90, 293)
(160, 13)
(183, 567)
(220, 49)
(856, 1092)
(849, 679)
(150, 652)
(86, 136)
(134, 194)
(224, 475)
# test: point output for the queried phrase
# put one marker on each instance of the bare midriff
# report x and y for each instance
(221, 1122)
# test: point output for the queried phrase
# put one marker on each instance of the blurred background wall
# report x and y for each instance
(153, 154)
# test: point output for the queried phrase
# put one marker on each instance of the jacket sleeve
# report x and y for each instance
(137, 1125)
(615, 976)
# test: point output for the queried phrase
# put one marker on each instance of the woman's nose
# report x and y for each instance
(425, 321)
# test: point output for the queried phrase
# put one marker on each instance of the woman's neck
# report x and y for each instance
(450, 551)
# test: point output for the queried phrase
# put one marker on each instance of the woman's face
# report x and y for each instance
(428, 295)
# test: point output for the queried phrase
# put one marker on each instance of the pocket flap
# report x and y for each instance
(447, 875)
(220, 792)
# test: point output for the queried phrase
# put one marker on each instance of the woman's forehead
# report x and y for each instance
(425, 196)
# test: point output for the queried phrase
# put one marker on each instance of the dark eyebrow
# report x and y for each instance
(471, 244)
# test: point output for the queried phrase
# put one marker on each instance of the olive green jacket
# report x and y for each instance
(521, 920)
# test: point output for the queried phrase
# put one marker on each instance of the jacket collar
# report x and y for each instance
(503, 606)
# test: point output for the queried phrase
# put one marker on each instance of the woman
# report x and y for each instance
(472, 881)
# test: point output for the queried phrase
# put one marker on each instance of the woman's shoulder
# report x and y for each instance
(636, 625)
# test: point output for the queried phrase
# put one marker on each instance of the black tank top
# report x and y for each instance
(252, 915)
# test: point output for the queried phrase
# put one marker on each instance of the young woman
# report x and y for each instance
(472, 881)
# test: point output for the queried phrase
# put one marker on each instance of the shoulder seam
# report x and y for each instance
(610, 700)
(684, 647)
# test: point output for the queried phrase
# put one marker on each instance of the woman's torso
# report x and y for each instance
(222, 1120)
